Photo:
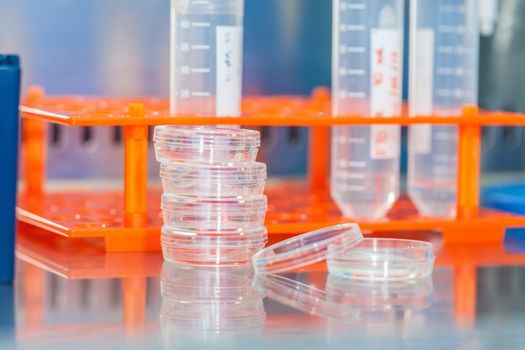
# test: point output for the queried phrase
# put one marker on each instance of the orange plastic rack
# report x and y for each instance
(130, 221)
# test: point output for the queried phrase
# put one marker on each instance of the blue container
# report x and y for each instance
(510, 198)
(9, 99)
(7, 317)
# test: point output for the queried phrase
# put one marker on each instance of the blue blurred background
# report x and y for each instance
(120, 47)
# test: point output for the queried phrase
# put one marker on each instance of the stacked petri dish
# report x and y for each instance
(213, 205)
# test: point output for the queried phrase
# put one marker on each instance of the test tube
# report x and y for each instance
(443, 79)
(367, 80)
(206, 57)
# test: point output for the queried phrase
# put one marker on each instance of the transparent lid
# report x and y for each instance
(306, 249)
(257, 231)
(247, 172)
(240, 206)
(195, 239)
(207, 137)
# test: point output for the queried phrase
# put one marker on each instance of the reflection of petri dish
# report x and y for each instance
(209, 302)
(379, 259)
(190, 283)
(302, 297)
(385, 296)
(306, 249)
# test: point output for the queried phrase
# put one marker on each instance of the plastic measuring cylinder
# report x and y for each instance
(206, 57)
(367, 80)
(444, 54)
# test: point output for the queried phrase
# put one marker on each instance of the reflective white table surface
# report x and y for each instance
(68, 295)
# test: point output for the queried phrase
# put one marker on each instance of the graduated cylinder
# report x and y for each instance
(367, 80)
(206, 58)
(443, 79)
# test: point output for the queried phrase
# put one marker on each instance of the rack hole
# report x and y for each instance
(265, 134)
(294, 135)
(56, 134)
(511, 136)
(151, 130)
(87, 134)
(489, 136)
(117, 135)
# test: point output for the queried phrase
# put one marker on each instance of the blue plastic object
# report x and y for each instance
(510, 198)
(7, 317)
(9, 98)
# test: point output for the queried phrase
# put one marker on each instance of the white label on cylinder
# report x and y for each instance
(229, 70)
(385, 141)
(421, 99)
(420, 139)
(385, 95)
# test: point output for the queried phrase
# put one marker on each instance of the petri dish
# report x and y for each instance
(191, 238)
(306, 249)
(219, 214)
(205, 145)
(203, 180)
(382, 259)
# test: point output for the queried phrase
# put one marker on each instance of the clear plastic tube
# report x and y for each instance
(367, 80)
(206, 57)
(444, 77)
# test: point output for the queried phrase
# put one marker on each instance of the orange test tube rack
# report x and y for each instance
(130, 220)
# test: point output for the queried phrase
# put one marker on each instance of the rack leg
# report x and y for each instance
(135, 176)
(135, 186)
(34, 149)
(469, 160)
(34, 133)
(318, 158)
(319, 147)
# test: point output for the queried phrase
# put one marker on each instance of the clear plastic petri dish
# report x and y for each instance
(203, 255)
(205, 144)
(251, 233)
(382, 259)
(306, 249)
(188, 179)
(185, 238)
(216, 214)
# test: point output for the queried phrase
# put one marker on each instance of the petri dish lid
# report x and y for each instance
(235, 206)
(257, 231)
(213, 241)
(212, 173)
(306, 249)
(207, 137)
